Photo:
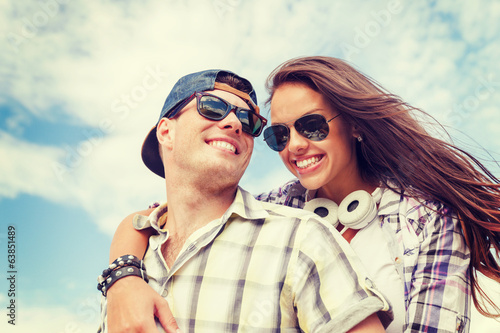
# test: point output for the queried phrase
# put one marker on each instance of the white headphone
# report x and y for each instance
(325, 208)
(356, 211)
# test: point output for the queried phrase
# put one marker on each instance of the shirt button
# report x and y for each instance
(397, 260)
(164, 293)
(369, 283)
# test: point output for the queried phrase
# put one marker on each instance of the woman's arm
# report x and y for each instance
(132, 304)
(439, 290)
(128, 240)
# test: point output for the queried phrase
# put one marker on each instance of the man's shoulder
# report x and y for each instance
(304, 222)
(287, 219)
(279, 210)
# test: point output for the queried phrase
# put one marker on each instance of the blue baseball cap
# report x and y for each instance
(184, 88)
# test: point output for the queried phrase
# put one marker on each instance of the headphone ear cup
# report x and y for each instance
(325, 208)
(357, 210)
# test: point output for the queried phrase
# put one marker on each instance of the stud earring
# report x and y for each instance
(360, 138)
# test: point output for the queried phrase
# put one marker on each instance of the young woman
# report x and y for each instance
(437, 219)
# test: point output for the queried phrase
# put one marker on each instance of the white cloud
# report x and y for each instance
(469, 14)
(114, 182)
(84, 58)
(83, 317)
(28, 168)
(105, 176)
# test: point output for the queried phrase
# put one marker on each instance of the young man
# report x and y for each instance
(224, 261)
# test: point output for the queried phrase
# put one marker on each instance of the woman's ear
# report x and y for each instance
(356, 132)
(165, 133)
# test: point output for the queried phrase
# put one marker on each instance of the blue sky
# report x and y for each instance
(81, 83)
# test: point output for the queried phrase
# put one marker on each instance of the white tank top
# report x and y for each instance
(372, 248)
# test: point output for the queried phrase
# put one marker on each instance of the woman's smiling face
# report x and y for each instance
(331, 161)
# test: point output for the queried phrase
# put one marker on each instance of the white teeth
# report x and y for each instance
(307, 163)
(223, 145)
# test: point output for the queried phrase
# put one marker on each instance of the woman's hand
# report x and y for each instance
(132, 306)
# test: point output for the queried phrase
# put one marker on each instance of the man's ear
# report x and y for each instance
(165, 133)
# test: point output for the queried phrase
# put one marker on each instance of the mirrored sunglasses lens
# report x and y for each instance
(212, 107)
(257, 125)
(246, 121)
(250, 123)
(276, 137)
(313, 127)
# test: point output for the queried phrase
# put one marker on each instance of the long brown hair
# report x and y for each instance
(398, 152)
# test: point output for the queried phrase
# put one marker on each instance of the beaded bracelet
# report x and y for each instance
(129, 261)
(121, 273)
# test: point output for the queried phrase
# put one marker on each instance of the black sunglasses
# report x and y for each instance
(215, 108)
(311, 126)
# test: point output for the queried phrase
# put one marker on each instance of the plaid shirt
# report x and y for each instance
(435, 265)
(262, 268)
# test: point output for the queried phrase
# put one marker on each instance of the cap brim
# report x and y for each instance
(151, 155)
